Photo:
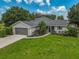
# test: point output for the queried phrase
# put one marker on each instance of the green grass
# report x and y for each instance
(50, 47)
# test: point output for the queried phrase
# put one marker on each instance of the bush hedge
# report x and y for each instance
(8, 31)
(5, 31)
(2, 32)
(72, 32)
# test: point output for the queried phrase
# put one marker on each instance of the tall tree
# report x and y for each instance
(61, 17)
(42, 27)
(73, 14)
(53, 17)
(15, 14)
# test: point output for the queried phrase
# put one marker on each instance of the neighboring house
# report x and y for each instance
(28, 27)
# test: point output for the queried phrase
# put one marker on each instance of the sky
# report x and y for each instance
(58, 7)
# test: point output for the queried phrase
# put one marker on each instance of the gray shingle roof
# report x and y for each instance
(49, 22)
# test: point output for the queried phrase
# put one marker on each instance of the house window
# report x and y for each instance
(59, 27)
(59, 32)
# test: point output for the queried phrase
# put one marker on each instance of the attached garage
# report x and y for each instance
(21, 31)
(20, 28)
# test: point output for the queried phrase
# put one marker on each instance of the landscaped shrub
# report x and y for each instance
(42, 28)
(71, 32)
(5, 31)
(2, 32)
(8, 31)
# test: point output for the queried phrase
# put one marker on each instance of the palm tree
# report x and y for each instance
(42, 27)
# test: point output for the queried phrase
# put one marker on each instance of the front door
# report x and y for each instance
(52, 29)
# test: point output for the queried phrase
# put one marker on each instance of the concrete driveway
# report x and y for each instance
(10, 39)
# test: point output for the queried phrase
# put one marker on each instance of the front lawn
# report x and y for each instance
(50, 47)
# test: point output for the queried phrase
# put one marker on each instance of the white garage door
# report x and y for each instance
(21, 31)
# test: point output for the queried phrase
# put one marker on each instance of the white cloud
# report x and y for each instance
(18, 1)
(48, 2)
(3, 9)
(41, 2)
(6, 7)
(7, 1)
(61, 10)
(40, 11)
(28, 1)
(38, 1)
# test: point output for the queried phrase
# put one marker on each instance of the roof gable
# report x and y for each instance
(20, 24)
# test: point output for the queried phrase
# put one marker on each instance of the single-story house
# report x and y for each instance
(28, 27)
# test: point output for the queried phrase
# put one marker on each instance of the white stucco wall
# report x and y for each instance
(31, 30)
(60, 30)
